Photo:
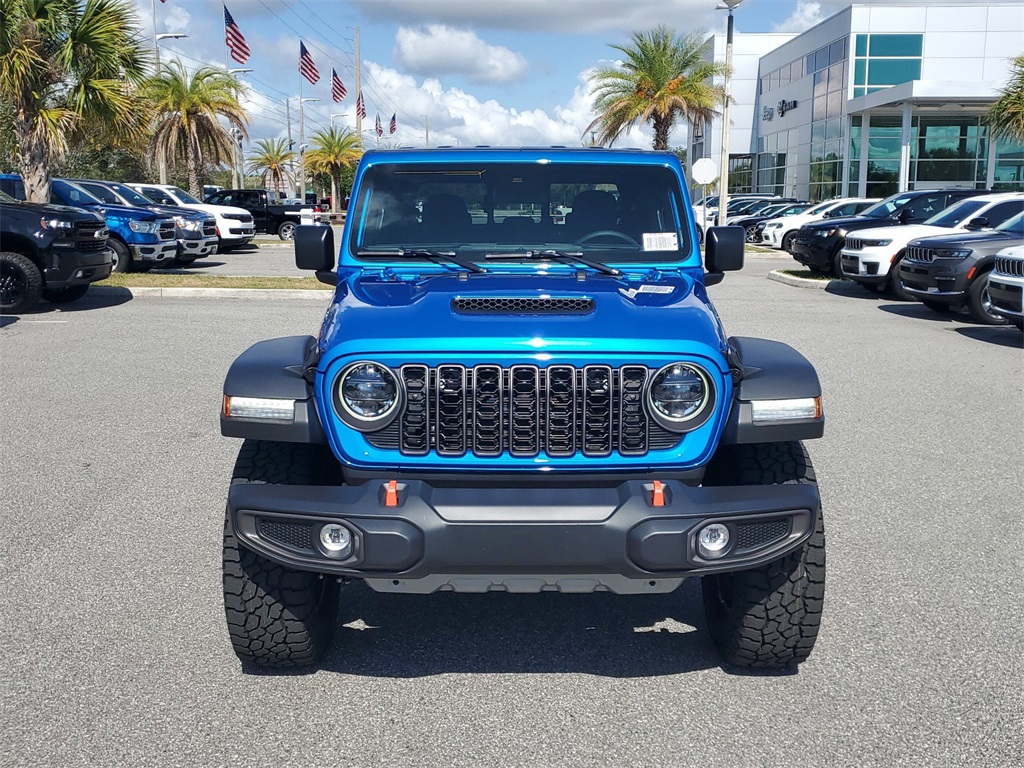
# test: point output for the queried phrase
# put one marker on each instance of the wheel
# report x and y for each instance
(893, 285)
(751, 234)
(276, 616)
(607, 233)
(768, 616)
(936, 306)
(122, 257)
(287, 230)
(21, 283)
(979, 304)
(65, 295)
(787, 240)
(837, 264)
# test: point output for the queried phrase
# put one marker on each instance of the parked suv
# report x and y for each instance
(779, 233)
(948, 273)
(819, 245)
(139, 239)
(871, 257)
(50, 252)
(268, 216)
(498, 402)
(195, 231)
(234, 225)
(1006, 285)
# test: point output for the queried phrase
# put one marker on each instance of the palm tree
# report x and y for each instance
(272, 160)
(333, 151)
(663, 78)
(187, 108)
(1006, 115)
(63, 62)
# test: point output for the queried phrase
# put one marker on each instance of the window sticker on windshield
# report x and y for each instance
(661, 241)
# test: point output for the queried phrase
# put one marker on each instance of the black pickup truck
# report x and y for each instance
(267, 215)
(48, 251)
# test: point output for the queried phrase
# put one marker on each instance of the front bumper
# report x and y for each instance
(197, 248)
(69, 268)
(772, 237)
(165, 250)
(1005, 294)
(814, 251)
(943, 280)
(549, 539)
(865, 266)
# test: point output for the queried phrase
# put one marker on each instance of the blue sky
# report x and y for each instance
(483, 72)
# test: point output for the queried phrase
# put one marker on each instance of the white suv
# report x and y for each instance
(1006, 285)
(779, 232)
(871, 257)
(234, 225)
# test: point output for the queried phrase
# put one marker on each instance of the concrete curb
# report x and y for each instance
(799, 282)
(287, 294)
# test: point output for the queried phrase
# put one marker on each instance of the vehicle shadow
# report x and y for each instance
(6, 320)
(854, 290)
(97, 297)
(921, 312)
(408, 636)
(185, 270)
(1000, 335)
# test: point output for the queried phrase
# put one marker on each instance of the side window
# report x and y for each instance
(847, 209)
(925, 207)
(217, 198)
(250, 199)
(862, 207)
(1001, 212)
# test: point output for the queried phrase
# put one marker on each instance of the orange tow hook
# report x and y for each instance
(657, 494)
(391, 494)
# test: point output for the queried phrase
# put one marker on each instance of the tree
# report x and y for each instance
(662, 79)
(1006, 115)
(188, 108)
(334, 150)
(63, 62)
(271, 160)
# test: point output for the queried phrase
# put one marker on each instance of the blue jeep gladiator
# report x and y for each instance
(499, 401)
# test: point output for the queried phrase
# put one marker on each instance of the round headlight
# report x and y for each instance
(368, 394)
(680, 397)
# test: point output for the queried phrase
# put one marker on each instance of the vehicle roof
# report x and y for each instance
(596, 155)
(996, 197)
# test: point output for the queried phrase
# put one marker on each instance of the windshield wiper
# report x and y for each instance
(438, 257)
(571, 257)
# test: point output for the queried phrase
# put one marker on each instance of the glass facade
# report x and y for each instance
(884, 60)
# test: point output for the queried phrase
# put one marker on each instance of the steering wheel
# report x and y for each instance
(607, 233)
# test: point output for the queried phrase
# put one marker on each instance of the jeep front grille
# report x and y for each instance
(524, 410)
(1010, 266)
(854, 244)
(917, 253)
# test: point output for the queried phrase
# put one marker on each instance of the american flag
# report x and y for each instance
(337, 87)
(306, 65)
(233, 37)
(360, 106)
(380, 128)
(394, 124)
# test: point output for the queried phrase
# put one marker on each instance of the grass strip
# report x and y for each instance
(159, 280)
(805, 274)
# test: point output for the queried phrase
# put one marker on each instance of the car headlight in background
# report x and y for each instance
(56, 224)
(876, 243)
(192, 225)
(145, 227)
(829, 232)
(953, 253)
(680, 397)
(367, 395)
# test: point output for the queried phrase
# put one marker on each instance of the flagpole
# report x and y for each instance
(234, 144)
(359, 84)
(302, 138)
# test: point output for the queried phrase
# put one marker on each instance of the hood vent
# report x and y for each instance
(511, 305)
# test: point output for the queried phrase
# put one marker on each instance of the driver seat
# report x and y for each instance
(592, 210)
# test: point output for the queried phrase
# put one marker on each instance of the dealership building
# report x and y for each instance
(873, 100)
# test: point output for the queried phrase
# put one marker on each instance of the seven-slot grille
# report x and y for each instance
(166, 229)
(854, 244)
(88, 237)
(917, 253)
(1010, 266)
(524, 410)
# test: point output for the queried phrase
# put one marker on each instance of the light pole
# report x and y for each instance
(237, 157)
(161, 162)
(302, 148)
(337, 114)
(426, 130)
(723, 183)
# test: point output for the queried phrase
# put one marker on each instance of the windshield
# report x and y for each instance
(955, 214)
(104, 194)
(888, 206)
(822, 207)
(1014, 226)
(129, 194)
(72, 194)
(618, 212)
(183, 196)
(5, 198)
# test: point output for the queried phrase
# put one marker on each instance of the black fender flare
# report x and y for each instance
(275, 368)
(769, 370)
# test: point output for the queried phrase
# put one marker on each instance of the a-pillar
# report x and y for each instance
(905, 137)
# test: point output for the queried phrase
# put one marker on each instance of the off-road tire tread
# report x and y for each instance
(775, 610)
(277, 616)
(33, 281)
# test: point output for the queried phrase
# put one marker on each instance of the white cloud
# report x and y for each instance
(438, 49)
(805, 15)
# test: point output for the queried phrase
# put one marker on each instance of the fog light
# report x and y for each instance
(336, 539)
(712, 540)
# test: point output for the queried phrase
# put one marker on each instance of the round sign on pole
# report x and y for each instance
(705, 171)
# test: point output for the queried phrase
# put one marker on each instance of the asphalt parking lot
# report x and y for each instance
(114, 650)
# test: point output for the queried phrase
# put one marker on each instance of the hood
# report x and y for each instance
(995, 237)
(125, 212)
(54, 209)
(497, 313)
(850, 223)
(904, 233)
(170, 211)
(216, 209)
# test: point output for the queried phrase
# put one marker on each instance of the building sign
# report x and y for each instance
(768, 113)
(786, 106)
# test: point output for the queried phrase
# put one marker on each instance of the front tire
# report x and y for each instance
(121, 257)
(277, 617)
(895, 285)
(21, 283)
(787, 241)
(767, 617)
(751, 234)
(980, 305)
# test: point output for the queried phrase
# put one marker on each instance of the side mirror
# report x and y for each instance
(980, 222)
(314, 250)
(723, 249)
(904, 216)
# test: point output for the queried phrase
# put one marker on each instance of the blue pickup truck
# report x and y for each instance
(139, 239)
(500, 401)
